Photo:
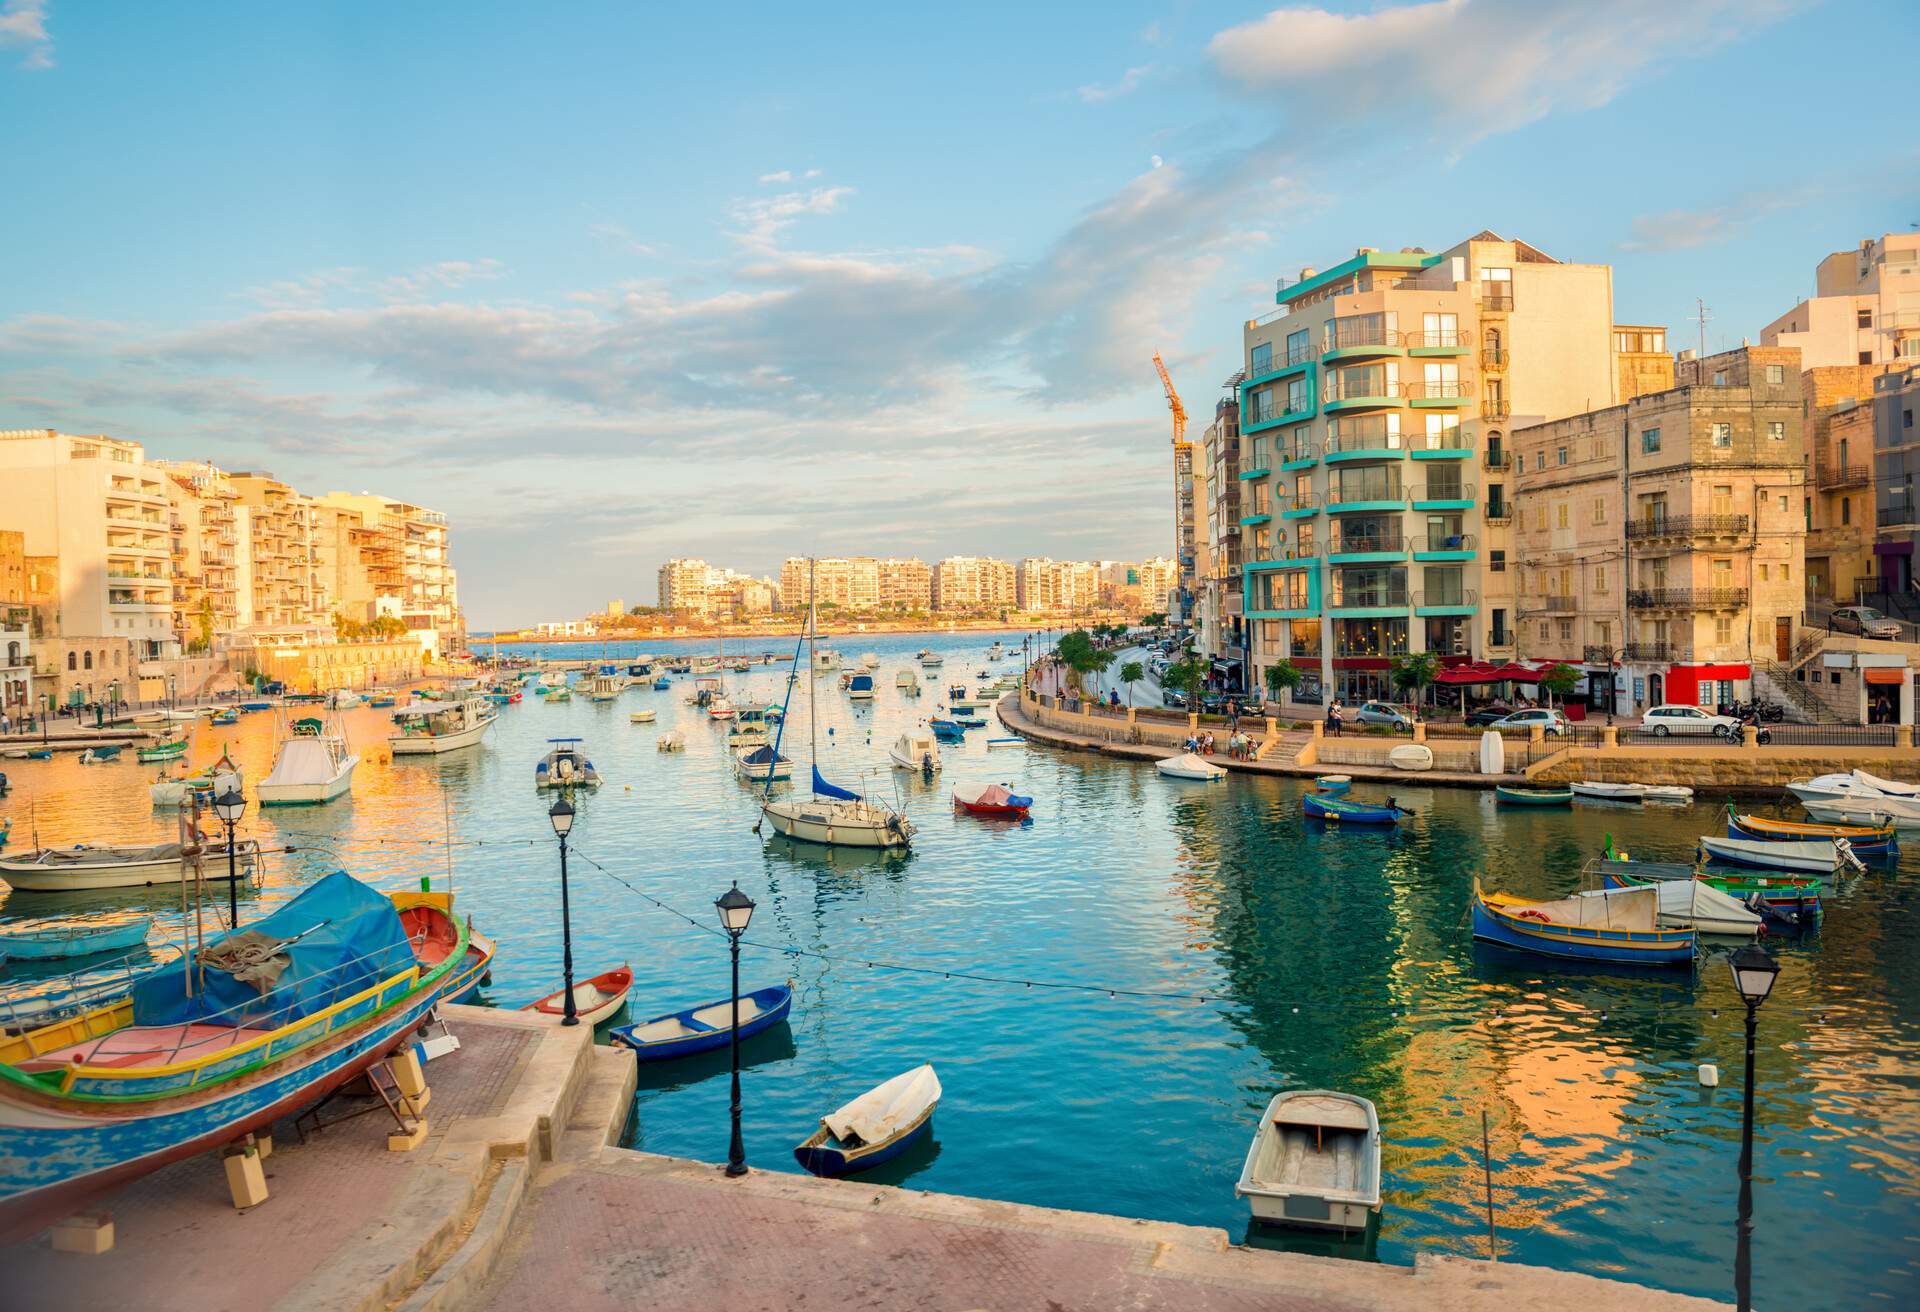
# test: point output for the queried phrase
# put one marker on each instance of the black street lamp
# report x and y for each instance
(562, 817)
(1753, 975)
(736, 909)
(230, 806)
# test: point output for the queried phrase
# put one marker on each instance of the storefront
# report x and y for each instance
(1706, 685)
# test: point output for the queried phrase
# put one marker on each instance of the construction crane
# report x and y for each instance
(1173, 401)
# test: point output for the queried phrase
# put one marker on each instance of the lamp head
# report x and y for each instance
(1754, 972)
(562, 816)
(736, 909)
(230, 806)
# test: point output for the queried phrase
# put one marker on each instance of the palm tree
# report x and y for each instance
(1131, 673)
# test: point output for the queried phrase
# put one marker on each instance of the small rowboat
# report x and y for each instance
(594, 1000)
(1790, 900)
(1317, 807)
(1818, 857)
(1505, 796)
(1411, 756)
(1332, 785)
(947, 731)
(1621, 928)
(1595, 791)
(642, 717)
(996, 800)
(1189, 766)
(72, 939)
(1314, 1162)
(876, 1127)
(706, 1027)
(1866, 840)
(162, 752)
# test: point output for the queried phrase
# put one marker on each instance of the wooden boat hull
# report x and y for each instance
(608, 996)
(778, 1002)
(165, 752)
(433, 744)
(1275, 1199)
(1620, 947)
(28, 877)
(1866, 840)
(1764, 854)
(1533, 796)
(48, 945)
(819, 1156)
(1318, 807)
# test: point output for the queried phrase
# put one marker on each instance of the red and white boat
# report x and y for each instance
(594, 1000)
(995, 800)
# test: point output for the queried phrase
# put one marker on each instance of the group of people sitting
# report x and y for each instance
(1240, 746)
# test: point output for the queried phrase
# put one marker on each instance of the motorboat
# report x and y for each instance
(915, 750)
(826, 659)
(996, 651)
(1871, 809)
(1828, 786)
(720, 709)
(565, 766)
(605, 687)
(931, 660)
(594, 1000)
(996, 801)
(1693, 904)
(430, 728)
(1890, 787)
(762, 765)
(341, 699)
(73, 869)
(314, 764)
(876, 1127)
(906, 682)
(947, 731)
(1816, 857)
(1314, 1162)
(707, 1027)
(1621, 927)
(860, 686)
(671, 741)
(1187, 765)
(642, 717)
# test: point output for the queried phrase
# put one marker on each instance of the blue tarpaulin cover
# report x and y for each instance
(821, 788)
(359, 942)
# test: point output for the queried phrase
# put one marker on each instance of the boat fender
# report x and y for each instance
(1531, 914)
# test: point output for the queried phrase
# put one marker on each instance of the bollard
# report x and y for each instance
(1419, 731)
(1750, 737)
(1610, 737)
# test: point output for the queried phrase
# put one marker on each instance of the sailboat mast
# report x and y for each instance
(813, 723)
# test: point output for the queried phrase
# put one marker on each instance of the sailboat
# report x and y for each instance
(827, 813)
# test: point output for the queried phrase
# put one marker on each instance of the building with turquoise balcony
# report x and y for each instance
(1374, 421)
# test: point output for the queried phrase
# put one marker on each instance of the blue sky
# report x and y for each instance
(616, 282)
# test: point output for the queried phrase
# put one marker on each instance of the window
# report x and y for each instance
(72, 661)
(1497, 629)
(1783, 505)
(1865, 357)
(1776, 430)
(1560, 515)
(1497, 564)
(1863, 318)
(1546, 631)
(1263, 358)
(1297, 395)
(1846, 510)
(1600, 580)
(1649, 441)
(1604, 632)
(1599, 510)
(1785, 571)
(1722, 436)
(1722, 502)
(1297, 348)
(1723, 573)
(88, 662)
(1763, 571)
(1723, 630)
(1719, 377)
(1560, 456)
(1776, 373)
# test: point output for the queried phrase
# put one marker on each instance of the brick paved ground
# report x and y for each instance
(179, 1243)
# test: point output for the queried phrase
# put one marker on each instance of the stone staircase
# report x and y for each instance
(1805, 701)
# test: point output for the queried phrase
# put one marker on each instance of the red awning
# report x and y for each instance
(1893, 674)
(1520, 673)
(1476, 673)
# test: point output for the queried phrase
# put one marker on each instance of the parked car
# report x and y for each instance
(1863, 620)
(1552, 721)
(1488, 715)
(1676, 718)
(1398, 718)
(1173, 697)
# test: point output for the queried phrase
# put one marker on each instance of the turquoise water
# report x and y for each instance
(1307, 959)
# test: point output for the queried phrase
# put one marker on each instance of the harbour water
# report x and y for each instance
(1224, 947)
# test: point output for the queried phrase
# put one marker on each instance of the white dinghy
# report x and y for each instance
(1315, 1162)
(1189, 766)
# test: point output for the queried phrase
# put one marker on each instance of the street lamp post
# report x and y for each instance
(230, 806)
(1753, 974)
(562, 817)
(736, 910)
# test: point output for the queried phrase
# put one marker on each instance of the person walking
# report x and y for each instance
(1335, 718)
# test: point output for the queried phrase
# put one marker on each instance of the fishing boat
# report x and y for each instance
(762, 764)
(380, 701)
(947, 731)
(642, 717)
(1789, 900)
(560, 694)
(1506, 796)
(1693, 904)
(1189, 765)
(594, 1000)
(906, 682)
(747, 733)
(435, 727)
(1819, 857)
(662, 683)
(1314, 1162)
(157, 1076)
(860, 686)
(1670, 793)
(996, 651)
(1332, 785)
(1620, 928)
(671, 741)
(968, 721)
(876, 1127)
(958, 699)
(605, 687)
(183, 716)
(565, 766)
(720, 708)
(1596, 791)
(227, 716)
(931, 660)
(706, 1027)
(167, 751)
(314, 764)
(256, 706)
(915, 750)
(996, 801)
(222, 776)
(1872, 809)
(1865, 840)
(826, 658)
(71, 869)
(100, 753)
(427, 918)
(341, 699)
(46, 940)
(1317, 807)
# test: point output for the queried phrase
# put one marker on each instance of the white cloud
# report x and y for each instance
(784, 175)
(1157, 161)
(23, 26)
(764, 218)
(1094, 93)
(1474, 66)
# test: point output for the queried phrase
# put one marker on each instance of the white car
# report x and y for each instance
(1552, 721)
(1660, 721)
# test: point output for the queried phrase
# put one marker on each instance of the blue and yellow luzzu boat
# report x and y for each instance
(1620, 928)
(89, 1103)
(1865, 840)
(1319, 806)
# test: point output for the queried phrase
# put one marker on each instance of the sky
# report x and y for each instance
(614, 282)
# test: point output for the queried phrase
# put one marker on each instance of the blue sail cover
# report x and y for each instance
(821, 788)
(359, 942)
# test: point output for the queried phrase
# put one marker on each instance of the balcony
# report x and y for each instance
(1446, 600)
(1658, 652)
(1248, 475)
(1295, 507)
(1453, 495)
(1556, 604)
(1357, 340)
(1445, 392)
(1363, 441)
(1385, 546)
(1279, 362)
(1495, 407)
(1830, 478)
(1650, 528)
(1496, 297)
(1497, 514)
(1381, 496)
(1360, 389)
(1298, 455)
(1437, 341)
(1498, 461)
(1367, 598)
(1493, 357)
(1445, 546)
(1686, 598)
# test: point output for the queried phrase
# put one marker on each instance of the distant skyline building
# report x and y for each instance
(1865, 308)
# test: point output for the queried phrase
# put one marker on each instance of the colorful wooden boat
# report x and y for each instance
(1506, 796)
(1318, 807)
(428, 919)
(876, 1127)
(995, 800)
(1332, 785)
(594, 1000)
(1791, 900)
(706, 1027)
(41, 942)
(1692, 904)
(89, 1103)
(77, 868)
(947, 731)
(172, 751)
(1865, 840)
(228, 716)
(1622, 928)
(1821, 856)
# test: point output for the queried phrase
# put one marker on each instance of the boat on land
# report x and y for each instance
(1866, 840)
(427, 918)
(1189, 765)
(1411, 756)
(1815, 856)
(706, 1027)
(642, 717)
(313, 764)
(1620, 928)
(1315, 806)
(46, 941)
(915, 750)
(1506, 796)
(876, 1127)
(1692, 904)
(435, 727)
(71, 869)
(565, 766)
(594, 1000)
(995, 800)
(762, 764)
(1314, 1162)
(156, 1076)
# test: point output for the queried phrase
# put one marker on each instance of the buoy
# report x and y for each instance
(1709, 1075)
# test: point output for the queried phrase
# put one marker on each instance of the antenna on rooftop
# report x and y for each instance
(1704, 316)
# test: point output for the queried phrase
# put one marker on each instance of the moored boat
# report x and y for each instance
(762, 764)
(671, 741)
(313, 764)
(565, 766)
(1189, 765)
(642, 717)
(167, 751)
(45, 941)
(915, 750)
(1506, 796)
(1866, 840)
(1332, 785)
(71, 869)
(1620, 928)
(1816, 856)
(1875, 810)
(1598, 791)
(705, 1027)
(1692, 904)
(995, 800)
(1316, 806)
(860, 686)
(435, 727)
(1314, 1162)
(1789, 900)
(594, 1000)
(876, 1127)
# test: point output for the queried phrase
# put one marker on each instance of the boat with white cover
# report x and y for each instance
(1692, 904)
(70, 869)
(429, 728)
(876, 1127)
(1876, 809)
(931, 660)
(1605, 792)
(906, 682)
(314, 764)
(1822, 857)
(1314, 1162)
(1189, 766)
(1890, 787)
(762, 764)
(915, 750)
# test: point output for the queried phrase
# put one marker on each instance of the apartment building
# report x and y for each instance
(429, 591)
(1837, 407)
(1157, 578)
(906, 583)
(1042, 585)
(1896, 468)
(1661, 543)
(1369, 398)
(974, 583)
(277, 579)
(204, 544)
(92, 505)
(1219, 613)
(16, 626)
(1644, 363)
(682, 585)
(1865, 308)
